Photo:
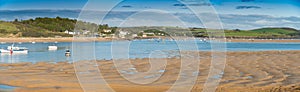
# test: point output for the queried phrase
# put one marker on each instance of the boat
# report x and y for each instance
(16, 50)
(52, 47)
(68, 53)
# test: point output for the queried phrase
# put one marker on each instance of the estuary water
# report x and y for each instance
(38, 52)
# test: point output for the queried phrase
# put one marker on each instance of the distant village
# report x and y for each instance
(109, 33)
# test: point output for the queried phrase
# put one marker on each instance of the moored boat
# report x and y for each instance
(52, 47)
(16, 50)
(68, 53)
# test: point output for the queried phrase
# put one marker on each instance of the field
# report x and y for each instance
(256, 33)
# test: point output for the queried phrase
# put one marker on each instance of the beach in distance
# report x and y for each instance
(262, 71)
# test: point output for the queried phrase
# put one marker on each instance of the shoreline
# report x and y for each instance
(244, 71)
(70, 39)
(63, 39)
(263, 40)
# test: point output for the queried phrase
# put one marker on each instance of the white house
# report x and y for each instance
(107, 30)
(144, 35)
(148, 34)
(68, 32)
(134, 35)
(122, 34)
(86, 32)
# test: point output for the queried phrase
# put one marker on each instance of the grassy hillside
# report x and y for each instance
(42, 27)
(265, 33)
(52, 24)
(8, 26)
(256, 33)
(51, 27)
(31, 28)
(277, 31)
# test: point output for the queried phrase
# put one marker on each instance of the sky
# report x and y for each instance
(265, 7)
(41, 4)
(244, 14)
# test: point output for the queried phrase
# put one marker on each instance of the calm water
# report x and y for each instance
(138, 49)
(5, 88)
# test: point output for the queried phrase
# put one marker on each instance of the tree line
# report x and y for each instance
(47, 27)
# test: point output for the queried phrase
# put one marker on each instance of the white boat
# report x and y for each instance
(52, 47)
(14, 50)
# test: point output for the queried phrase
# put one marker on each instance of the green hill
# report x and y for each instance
(256, 33)
(6, 28)
(42, 27)
(51, 27)
(277, 31)
(39, 27)
(264, 33)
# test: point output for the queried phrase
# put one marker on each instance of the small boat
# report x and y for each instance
(52, 47)
(68, 53)
(12, 49)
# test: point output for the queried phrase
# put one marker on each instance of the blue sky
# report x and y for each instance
(41, 4)
(244, 14)
(262, 7)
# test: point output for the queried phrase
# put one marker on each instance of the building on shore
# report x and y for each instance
(107, 30)
(148, 34)
(69, 32)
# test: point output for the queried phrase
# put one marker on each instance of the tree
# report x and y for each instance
(16, 20)
(237, 30)
(3, 31)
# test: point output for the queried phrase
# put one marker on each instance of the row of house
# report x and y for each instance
(73, 33)
(122, 34)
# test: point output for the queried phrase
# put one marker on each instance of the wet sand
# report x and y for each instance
(264, 71)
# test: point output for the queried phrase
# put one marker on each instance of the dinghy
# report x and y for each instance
(14, 50)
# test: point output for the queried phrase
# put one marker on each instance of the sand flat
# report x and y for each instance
(265, 71)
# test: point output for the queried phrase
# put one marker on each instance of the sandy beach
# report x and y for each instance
(264, 71)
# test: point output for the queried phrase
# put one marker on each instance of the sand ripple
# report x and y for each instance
(266, 71)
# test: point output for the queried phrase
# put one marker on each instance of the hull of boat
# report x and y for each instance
(52, 47)
(14, 52)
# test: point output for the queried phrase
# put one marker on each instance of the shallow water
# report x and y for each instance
(5, 88)
(38, 52)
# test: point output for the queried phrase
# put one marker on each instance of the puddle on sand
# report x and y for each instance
(6, 88)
